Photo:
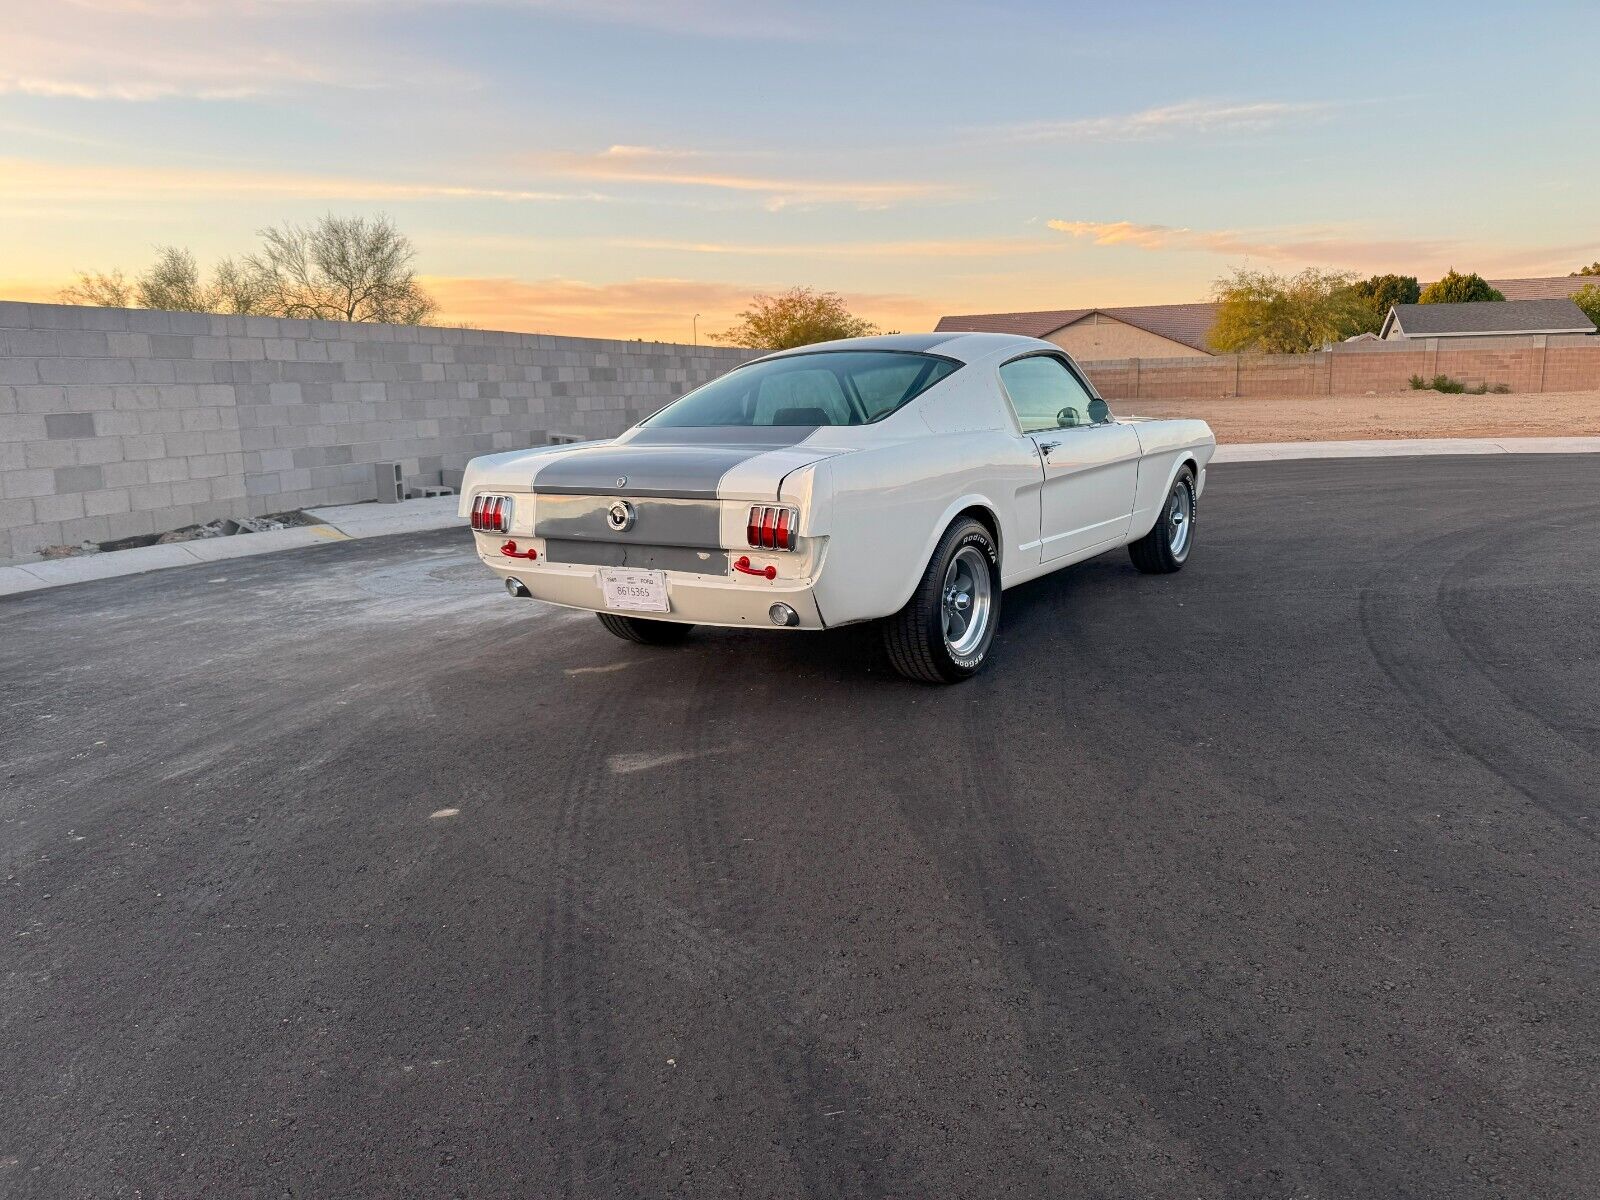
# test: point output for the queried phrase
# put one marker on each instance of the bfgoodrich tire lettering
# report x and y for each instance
(1166, 547)
(643, 631)
(933, 639)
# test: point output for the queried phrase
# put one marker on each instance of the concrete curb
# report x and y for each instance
(350, 521)
(340, 524)
(1404, 448)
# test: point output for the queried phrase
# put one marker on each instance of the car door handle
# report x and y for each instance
(1046, 447)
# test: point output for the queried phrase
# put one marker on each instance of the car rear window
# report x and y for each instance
(829, 387)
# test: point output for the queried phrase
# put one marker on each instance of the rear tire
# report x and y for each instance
(943, 633)
(1166, 547)
(645, 632)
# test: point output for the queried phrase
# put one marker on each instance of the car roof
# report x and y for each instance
(963, 347)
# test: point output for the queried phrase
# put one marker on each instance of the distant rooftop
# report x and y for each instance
(1191, 324)
(1186, 323)
(1489, 316)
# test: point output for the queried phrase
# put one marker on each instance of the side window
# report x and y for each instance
(1045, 395)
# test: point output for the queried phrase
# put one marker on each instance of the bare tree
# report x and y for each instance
(340, 269)
(100, 290)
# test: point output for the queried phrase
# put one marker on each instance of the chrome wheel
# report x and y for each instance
(967, 599)
(1180, 519)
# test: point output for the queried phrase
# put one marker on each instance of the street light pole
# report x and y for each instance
(696, 328)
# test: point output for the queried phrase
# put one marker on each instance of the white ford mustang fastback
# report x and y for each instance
(907, 479)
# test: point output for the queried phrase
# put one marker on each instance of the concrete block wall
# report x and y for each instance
(117, 422)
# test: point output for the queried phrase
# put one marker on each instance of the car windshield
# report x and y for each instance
(830, 387)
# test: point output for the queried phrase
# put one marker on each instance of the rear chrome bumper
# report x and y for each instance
(735, 601)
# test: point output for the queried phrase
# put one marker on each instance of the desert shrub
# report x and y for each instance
(1451, 387)
(1418, 383)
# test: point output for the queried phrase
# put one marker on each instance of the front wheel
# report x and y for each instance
(943, 633)
(643, 631)
(1166, 547)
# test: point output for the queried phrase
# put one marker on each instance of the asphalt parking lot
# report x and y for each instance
(338, 872)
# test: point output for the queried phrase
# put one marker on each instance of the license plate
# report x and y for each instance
(634, 591)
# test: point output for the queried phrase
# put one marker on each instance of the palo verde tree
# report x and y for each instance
(1455, 288)
(1269, 313)
(797, 317)
(1588, 299)
(339, 268)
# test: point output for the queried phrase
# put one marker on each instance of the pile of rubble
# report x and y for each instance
(226, 527)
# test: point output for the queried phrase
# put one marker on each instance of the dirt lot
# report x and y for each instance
(1391, 415)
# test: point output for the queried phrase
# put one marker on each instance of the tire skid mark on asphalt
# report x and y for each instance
(828, 1158)
(1457, 582)
(1466, 706)
(577, 1053)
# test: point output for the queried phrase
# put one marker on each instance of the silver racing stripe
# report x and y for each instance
(680, 463)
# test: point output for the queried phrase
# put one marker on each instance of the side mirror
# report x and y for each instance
(1099, 411)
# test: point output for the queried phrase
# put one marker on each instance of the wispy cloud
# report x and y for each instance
(144, 50)
(928, 249)
(1323, 246)
(1187, 118)
(25, 180)
(697, 169)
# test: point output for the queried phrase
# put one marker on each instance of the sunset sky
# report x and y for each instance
(612, 167)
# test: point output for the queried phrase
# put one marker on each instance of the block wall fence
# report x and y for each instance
(1556, 363)
(118, 422)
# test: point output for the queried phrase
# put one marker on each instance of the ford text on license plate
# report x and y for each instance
(635, 591)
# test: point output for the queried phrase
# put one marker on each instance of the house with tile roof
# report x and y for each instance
(1485, 318)
(1173, 330)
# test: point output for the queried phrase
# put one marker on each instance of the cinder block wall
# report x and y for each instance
(116, 422)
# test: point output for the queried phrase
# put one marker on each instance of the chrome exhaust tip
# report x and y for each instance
(783, 615)
(518, 589)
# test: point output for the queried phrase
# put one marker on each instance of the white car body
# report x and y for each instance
(873, 499)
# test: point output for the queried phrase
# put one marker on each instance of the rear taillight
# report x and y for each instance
(492, 514)
(772, 527)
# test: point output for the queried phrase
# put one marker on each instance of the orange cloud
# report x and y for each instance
(654, 309)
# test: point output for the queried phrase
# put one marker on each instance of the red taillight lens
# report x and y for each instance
(772, 527)
(492, 514)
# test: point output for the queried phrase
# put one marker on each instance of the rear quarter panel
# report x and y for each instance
(1164, 447)
(884, 508)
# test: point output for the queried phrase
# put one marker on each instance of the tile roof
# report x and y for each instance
(1185, 323)
(1557, 287)
(1492, 316)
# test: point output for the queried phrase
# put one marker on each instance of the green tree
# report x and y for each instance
(798, 317)
(1277, 314)
(1588, 299)
(1455, 288)
(1592, 269)
(1381, 293)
